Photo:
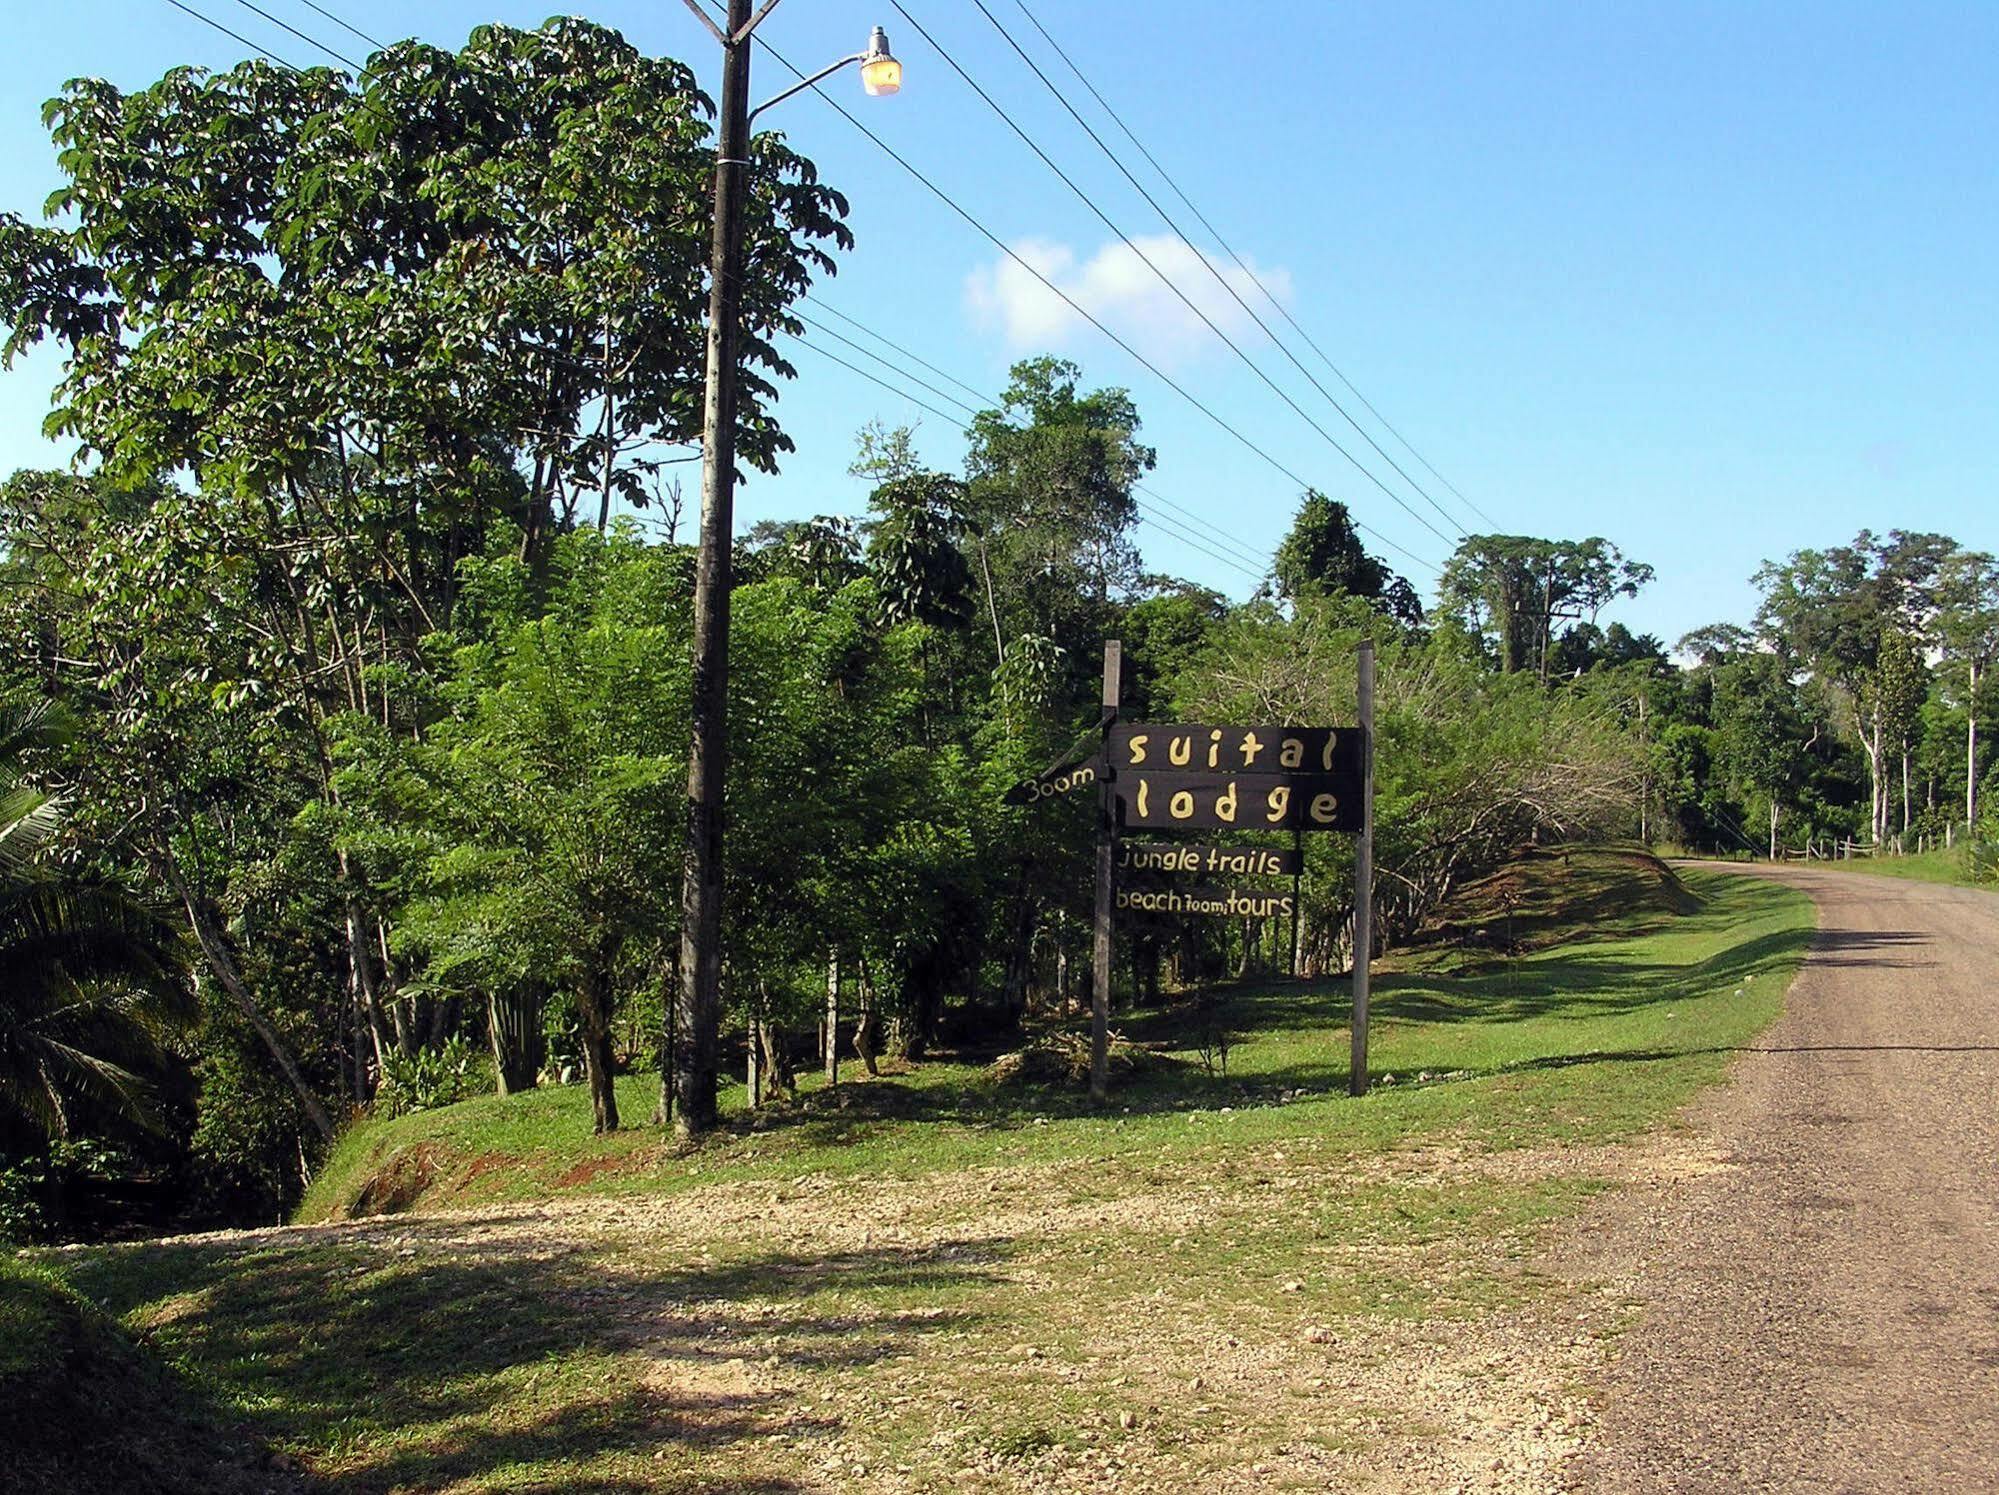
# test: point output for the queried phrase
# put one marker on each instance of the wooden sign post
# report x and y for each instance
(1363, 877)
(1100, 947)
(1182, 776)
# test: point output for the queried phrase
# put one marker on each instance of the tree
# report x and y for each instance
(1049, 498)
(1585, 647)
(1714, 643)
(471, 263)
(1322, 553)
(90, 982)
(1834, 611)
(1900, 685)
(364, 328)
(914, 555)
(1968, 624)
(1513, 589)
(1759, 731)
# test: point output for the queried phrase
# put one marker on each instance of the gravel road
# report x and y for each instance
(1821, 1311)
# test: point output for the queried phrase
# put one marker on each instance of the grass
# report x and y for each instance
(1946, 865)
(953, 1283)
(83, 1409)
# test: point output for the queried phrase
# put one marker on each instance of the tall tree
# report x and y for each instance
(1833, 611)
(1322, 553)
(1514, 589)
(1968, 625)
(476, 258)
(1049, 497)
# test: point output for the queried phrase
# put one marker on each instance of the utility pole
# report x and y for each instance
(695, 1032)
(1100, 928)
(1363, 881)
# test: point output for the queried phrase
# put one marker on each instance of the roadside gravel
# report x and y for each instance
(1820, 1311)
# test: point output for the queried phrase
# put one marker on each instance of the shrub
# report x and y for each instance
(427, 1079)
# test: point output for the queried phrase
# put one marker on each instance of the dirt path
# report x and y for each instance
(1822, 1311)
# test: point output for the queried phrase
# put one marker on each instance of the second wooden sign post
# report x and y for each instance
(1182, 776)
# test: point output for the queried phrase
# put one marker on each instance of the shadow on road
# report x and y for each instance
(1865, 947)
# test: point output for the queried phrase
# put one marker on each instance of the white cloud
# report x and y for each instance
(1116, 286)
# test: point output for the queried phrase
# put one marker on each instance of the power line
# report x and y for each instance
(987, 401)
(376, 43)
(919, 383)
(1173, 384)
(1210, 531)
(308, 40)
(1210, 266)
(1146, 514)
(1165, 279)
(1150, 516)
(1220, 536)
(236, 36)
(1242, 263)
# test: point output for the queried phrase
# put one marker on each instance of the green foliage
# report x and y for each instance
(429, 1078)
(1323, 554)
(88, 987)
(1512, 590)
(24, 1219)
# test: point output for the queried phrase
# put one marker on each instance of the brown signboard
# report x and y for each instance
(1249, 903)
(1244, 802)
(1157, 857)
(1182, 747)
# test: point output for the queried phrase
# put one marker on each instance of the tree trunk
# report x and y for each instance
(867, 1032)
(832, 1053)
(1019, 960)
(594, 1020)
(513, 1027)
(216, 953)
(1773, 827)
(1878, 796)
(1971, 748)
(776, 1062)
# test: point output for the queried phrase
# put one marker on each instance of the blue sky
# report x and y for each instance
(1715, 281)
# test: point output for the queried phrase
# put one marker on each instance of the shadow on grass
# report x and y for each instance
(422, 1354)
(1582, 986)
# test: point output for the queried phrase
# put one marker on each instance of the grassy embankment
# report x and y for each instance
(1946, 865)
(83, 1409)
(938, 1275)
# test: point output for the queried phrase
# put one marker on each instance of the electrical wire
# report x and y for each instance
(1242, 263)
(308, 40)
(821, 327)
(237, 36)
(343, 24)
(1157, 519)
(1209, 265)
(1209, 531)
(987, 402)
(1173, 384)
(1146, 513)
(1166, 280)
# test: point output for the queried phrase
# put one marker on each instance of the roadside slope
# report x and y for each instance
(1821, 1307)
(1246, 1282)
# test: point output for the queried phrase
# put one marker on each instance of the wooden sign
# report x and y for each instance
(1180, 747)
(1144, 857)
(1061, 779)
(1241, 903)
(1247, 802)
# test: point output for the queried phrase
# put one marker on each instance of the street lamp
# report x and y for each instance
(696, 1031)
